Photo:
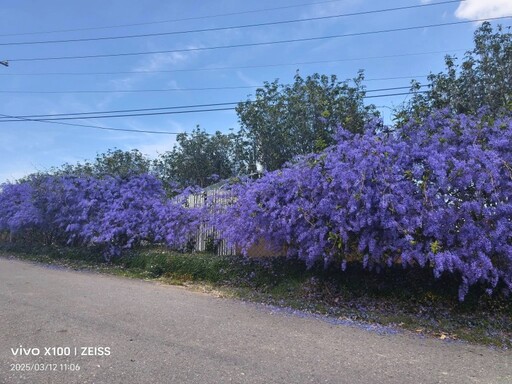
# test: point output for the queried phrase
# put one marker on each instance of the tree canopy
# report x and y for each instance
(482, 79)
(114, 162)
(286, 120)
(197, 159)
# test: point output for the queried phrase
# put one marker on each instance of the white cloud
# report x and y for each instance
(150, 64)
(326, 9)
(163, 61)
(483, 9)
(248, 80)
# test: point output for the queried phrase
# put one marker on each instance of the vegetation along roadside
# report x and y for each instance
(408, 224)
(406, 299)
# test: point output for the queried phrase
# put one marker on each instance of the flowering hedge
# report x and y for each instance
(437, 194)
(110, 212)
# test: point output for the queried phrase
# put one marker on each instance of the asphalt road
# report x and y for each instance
(142, 332)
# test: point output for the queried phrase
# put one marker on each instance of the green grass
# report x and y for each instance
(409, 299)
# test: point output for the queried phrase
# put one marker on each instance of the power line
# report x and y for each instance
(133, 90)
(232, 103)
(232, 67)
(244, 45)
(15, 118)
(216, 29)
(394, 94)
(163, 90)
(142, 111)
(92, 126)
(130, 110)
(172, 20)
(19, 118)
(396, 78)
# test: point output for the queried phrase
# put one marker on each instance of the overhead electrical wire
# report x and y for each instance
(228, 88)
(133, 90)
(142, 111)
(214, 107)
(18, 118)
(232, 103)
(255, 44)
(124, 113)
(216, 29)
(172, 20)
(393, 94)
(129, 114)
(412, 77)
(131, 110)
(230, 67)
(92, 126)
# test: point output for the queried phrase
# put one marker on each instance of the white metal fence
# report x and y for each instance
(207, 238)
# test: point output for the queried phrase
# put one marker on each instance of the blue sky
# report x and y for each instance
(179, 78)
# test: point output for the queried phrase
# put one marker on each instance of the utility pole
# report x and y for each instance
(5, 63)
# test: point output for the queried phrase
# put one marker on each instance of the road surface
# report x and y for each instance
(116, 330)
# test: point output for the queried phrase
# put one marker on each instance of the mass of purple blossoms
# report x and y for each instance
(112, 213)
(435, 194)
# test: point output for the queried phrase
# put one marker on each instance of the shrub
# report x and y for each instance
(111, 212)
(437, 194)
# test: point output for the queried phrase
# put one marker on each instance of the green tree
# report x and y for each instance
(114, 162)
(284, 121)
(483, 79)
(121, 163)
(197, 159)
